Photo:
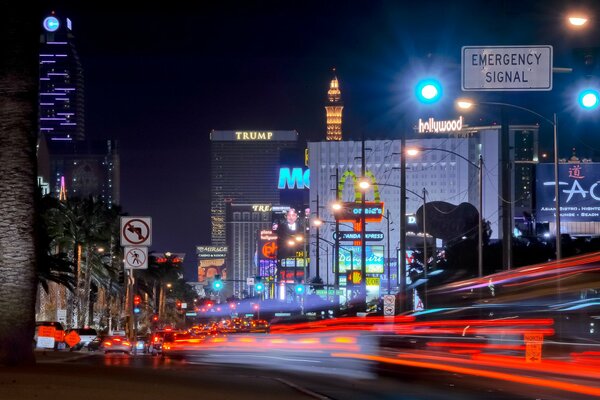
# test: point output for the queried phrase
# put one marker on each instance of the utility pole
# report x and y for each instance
(363, 242)
(318, 249)
(402, 257)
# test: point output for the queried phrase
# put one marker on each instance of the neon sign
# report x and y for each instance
(51, 24)
(293, 178)
(433, 126)
(252, 135)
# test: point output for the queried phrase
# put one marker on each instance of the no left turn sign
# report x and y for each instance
(136, 231)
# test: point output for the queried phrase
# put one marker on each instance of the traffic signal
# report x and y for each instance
(155, 318)
(136, 310)
(299, 288)
(589, 99)
(586, 61)
(217, 283)
(137, 300)
(178, 304)
(258, 285)
(428, 91)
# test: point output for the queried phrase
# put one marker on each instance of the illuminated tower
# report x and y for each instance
(334, 110)
(61, 108)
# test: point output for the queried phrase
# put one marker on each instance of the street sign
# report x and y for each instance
(45, 339)
(136, 258)
(61, 315)
(72, 338)
(372, 236)
(183, 306)
(250, 281)
(332, 292)
(506, 68)
(136, 231)
(533, 346)
(389, 305)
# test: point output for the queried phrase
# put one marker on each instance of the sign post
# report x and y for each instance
(389, 305)
(136, 236)
(506, 68)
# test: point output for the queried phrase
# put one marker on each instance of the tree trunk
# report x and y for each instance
(18, 77)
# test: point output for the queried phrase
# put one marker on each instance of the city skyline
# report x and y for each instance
(161, 88)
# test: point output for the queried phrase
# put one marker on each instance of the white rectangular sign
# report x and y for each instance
(45, 342)
(249, 281)
(506, 68)
(136, 231)
(136, 257)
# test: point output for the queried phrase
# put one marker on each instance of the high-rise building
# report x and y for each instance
(333, 109)
(80, 169)
(61, 107)
(245, 167)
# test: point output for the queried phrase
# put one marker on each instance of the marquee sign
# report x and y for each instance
(351, 212)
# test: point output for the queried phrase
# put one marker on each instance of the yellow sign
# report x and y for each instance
(533, 346)
(262, 207)
(306, 157)
(252, 135)
(373, 281)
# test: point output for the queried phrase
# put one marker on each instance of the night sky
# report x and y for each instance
(160, 78)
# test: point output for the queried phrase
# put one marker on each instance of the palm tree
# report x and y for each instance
(89, 229)
(18, 77)
(53, 265)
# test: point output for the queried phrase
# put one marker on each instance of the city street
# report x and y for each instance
(223, 373)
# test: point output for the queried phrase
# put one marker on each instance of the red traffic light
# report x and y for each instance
(137, 300)
(178, 304)
(155, 318)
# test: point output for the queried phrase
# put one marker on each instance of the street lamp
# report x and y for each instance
(415, 151)
(467, 104)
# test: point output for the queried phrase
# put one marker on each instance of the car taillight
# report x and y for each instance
(107, 343)
(117, 340)
(127, 343)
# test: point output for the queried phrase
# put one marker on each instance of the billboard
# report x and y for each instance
(291, 231)
(375, 259)
(579, 192)
(211, 262)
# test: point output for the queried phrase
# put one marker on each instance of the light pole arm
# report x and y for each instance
(495, 103)
(451, 152)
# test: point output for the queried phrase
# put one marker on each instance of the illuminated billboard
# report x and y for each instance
(293, 178)
(211, 262)
(374, 258)
(579, 192)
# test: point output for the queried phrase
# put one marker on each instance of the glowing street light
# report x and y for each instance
(577, 20)
(428, 91)
(589, 99)
(336, 206)
(364, 184)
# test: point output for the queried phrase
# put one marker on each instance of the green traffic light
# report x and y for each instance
(589, 99)
(428, 91)
(259, 287)
(217, 285)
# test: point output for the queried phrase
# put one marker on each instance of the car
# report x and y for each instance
(259, 326)
(142, 343)
(114, 344)
(59, 334)
(95, 344)
(86, 336)
(157, 340)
